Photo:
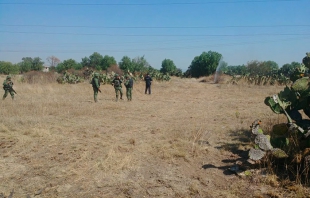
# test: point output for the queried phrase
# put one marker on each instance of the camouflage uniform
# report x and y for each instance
(8, 87)
(117, 83)
(96, 86)
(129, 86)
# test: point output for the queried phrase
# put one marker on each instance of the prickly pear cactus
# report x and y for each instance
(69, 78)
(263, 144)
(287, 139)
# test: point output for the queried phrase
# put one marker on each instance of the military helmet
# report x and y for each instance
(116, 75)
(8, 77)
(96, 74)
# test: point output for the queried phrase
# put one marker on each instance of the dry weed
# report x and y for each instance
(54, 137)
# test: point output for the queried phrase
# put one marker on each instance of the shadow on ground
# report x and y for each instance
(238, 147)
(226, 169)
(239, 144)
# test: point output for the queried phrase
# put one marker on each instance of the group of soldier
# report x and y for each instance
(116, 83)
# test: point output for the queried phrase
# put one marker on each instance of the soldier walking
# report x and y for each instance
(148, 81)
(117, 83)
(129, 86)
(96, 86)
(8, 87)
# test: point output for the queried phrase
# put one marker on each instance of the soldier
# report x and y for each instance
(8, 87)
(96, 85)
(148, 81)
(129, 86)
(117, 83)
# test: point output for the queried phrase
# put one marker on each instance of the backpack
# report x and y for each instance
(117, 83)
(130, 83)
(94, 83)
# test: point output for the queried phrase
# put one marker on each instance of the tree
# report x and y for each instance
(262, 68)
(288, 69)
(53, 60)
(140, 64)
(8, 68)
(178, 72)
(29, 64)
(168, 67)
(126, 64)
(236, 70)
(271, 65)
(37, 64)
(67, 64)
(85, 62)
(205, 64)
(107, 61)
(96, 60)
(26, 64)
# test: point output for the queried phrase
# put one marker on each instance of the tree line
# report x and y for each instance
(203, 65)
(261, 68)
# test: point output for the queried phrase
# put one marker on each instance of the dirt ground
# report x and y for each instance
(180, 141)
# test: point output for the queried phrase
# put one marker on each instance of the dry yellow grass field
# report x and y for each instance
(178, 142)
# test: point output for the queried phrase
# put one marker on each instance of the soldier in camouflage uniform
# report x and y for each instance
(117, 83)
(129, 86)
(96, 86)
(8, 87)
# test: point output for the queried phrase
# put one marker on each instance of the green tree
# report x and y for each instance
(262, 68)
(8, 68)
(67, 64)
(236, 70)
(288, 69)
(168, 67)
(107, 61)
(26, 64)
(205, 64)
(178, 72)
(96, 60)
(140, 64)
(85, 62)
(78, 66)
(37, 64)
(271, 64)
(126, 64)
(30, 64)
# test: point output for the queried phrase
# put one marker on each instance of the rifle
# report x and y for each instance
(11, 89)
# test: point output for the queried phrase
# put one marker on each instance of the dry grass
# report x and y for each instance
(56, 142)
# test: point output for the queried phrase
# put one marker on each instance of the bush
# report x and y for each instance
(38, 77)
(115, 69)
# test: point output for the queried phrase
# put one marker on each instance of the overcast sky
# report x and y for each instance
(240, 30)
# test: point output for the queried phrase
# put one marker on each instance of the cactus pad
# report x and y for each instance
(256, 154)
(301, 84)
(263, 141)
